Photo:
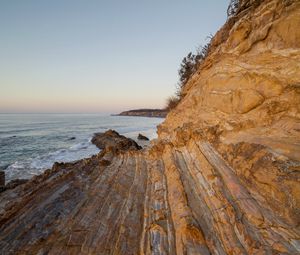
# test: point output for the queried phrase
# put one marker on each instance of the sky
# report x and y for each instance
(79, 56)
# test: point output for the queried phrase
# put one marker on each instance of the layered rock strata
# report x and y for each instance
(222, 178)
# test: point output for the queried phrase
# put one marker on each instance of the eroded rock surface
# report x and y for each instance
(222, 178)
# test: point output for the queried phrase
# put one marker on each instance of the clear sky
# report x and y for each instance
(97, 55)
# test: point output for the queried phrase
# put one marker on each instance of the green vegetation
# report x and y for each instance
(233, 7)
(191, 63)
(172, 102)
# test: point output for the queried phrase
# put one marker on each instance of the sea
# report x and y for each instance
(31, 143)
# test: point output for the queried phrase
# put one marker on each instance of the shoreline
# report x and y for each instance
(69, 145)
(150, 113)
(104, 141)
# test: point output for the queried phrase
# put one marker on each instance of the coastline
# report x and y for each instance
(30, 150)
(104, 141)
(150, 113)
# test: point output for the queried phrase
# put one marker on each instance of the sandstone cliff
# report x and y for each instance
(222, 178)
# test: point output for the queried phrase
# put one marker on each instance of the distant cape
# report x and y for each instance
(158, 113)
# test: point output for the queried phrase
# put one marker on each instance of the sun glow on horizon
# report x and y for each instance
(97, 56)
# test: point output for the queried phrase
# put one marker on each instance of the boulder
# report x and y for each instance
(112, 139)
(142, 137)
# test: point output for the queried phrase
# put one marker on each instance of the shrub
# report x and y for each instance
(190, 65)
(172, 102)
(236, 7)
(233, 7)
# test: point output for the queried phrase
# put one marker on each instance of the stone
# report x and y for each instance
(14, 183)
(245, 100)
(111, 138)
(142, 137)
(2, 178)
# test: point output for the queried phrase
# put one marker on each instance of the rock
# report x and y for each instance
(245, 100)
(142, 137)
(104, 162)
(2, 178)
(72, 138)
(14, 183)
(114, 140)
(222, 177)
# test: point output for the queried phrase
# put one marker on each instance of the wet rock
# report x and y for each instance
(142, 137)
(2, 178)
(112, 139)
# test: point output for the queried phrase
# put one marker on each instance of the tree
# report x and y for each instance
(187, 68)
(190, 64)
(233, 7)
(172, 102)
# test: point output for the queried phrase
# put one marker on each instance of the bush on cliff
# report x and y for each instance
(233, 7)
(191, 63)
(172, 102)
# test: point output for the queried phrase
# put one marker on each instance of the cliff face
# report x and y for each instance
(222, 178)
(249, 81)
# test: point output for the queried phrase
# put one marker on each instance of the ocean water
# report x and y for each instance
(31, 143)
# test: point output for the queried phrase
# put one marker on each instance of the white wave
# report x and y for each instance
(80, 146)
(33, 166)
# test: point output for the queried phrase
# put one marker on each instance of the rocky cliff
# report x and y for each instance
(222, 178)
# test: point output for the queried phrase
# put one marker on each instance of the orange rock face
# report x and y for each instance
(222, 178)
